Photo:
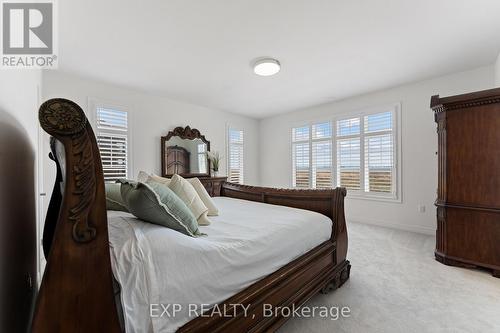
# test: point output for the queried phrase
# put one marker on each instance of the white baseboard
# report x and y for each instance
(412, 228)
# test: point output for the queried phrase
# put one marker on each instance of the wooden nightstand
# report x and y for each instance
(213, 184)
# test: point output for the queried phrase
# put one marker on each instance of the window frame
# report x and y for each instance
(93, 104)
(395, 108)
(310, 141)
(228, 151)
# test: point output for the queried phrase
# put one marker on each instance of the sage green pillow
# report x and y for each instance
(114, 199)
(156, 203)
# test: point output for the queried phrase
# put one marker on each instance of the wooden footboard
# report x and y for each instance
(76, 294)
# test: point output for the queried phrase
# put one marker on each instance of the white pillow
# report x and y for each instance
(204, 196)
(188, 194)
(142, 177)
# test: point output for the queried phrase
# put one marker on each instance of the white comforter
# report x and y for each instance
(157, 266)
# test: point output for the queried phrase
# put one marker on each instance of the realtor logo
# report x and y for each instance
(28, 34)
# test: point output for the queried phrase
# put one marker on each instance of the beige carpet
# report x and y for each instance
(397, 286)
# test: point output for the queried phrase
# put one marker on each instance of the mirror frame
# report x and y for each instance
(183, 133)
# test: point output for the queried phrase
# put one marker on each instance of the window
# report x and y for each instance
(348, 154)
(235, 153)
(112, 139)
(301, 157)
(202, 159)
(312, 156)
(379, 153)
(364, 152)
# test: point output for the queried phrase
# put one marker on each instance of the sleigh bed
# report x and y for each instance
(78, 291)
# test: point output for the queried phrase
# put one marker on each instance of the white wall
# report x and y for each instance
(419, 145)
(497, 72)
(153, 116)
(18, 227)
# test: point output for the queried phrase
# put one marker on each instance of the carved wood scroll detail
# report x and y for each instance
(338, 208)
(465, 101)
(465, 105)
(186, 133)
(84, 181)
(61, 116)
(62, 119)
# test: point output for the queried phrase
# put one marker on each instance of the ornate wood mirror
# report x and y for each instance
(183, 152)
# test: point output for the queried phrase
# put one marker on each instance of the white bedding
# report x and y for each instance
(246, 242)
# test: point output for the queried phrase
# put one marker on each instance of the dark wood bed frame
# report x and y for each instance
(77, 295)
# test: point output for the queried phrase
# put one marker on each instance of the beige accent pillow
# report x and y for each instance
(161, 180)
(190, 197)
(204, 220)
(204, 196)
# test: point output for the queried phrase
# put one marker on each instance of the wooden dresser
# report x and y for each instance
(213, 184)
(177, 159)
(468, 198)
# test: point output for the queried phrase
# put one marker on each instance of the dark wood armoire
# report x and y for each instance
(468, 195)
(177, 160)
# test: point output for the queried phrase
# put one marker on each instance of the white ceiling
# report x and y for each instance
(201, 51)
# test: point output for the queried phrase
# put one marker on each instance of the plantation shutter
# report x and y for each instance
(379, 153)
(300, 157)
(349, 153)
(322, 155)
(359, 153)
(202, 158)
(112, 140)
(312, 156)
(235, 156)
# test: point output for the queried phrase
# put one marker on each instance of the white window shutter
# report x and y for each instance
(202, 159)
(312, 156)
(362, 149)
(301, 166)
(379, 153)
(235, 149)
(112, 140)
(322, 164)
(349, 163)
(321, 158)
(349, 153)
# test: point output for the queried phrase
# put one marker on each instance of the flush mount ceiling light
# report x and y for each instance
(266, 67)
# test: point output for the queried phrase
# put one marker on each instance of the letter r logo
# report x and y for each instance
(27, 28)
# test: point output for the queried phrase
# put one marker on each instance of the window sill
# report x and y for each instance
(373, 197)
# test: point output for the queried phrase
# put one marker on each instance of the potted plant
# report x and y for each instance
(214, 158)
